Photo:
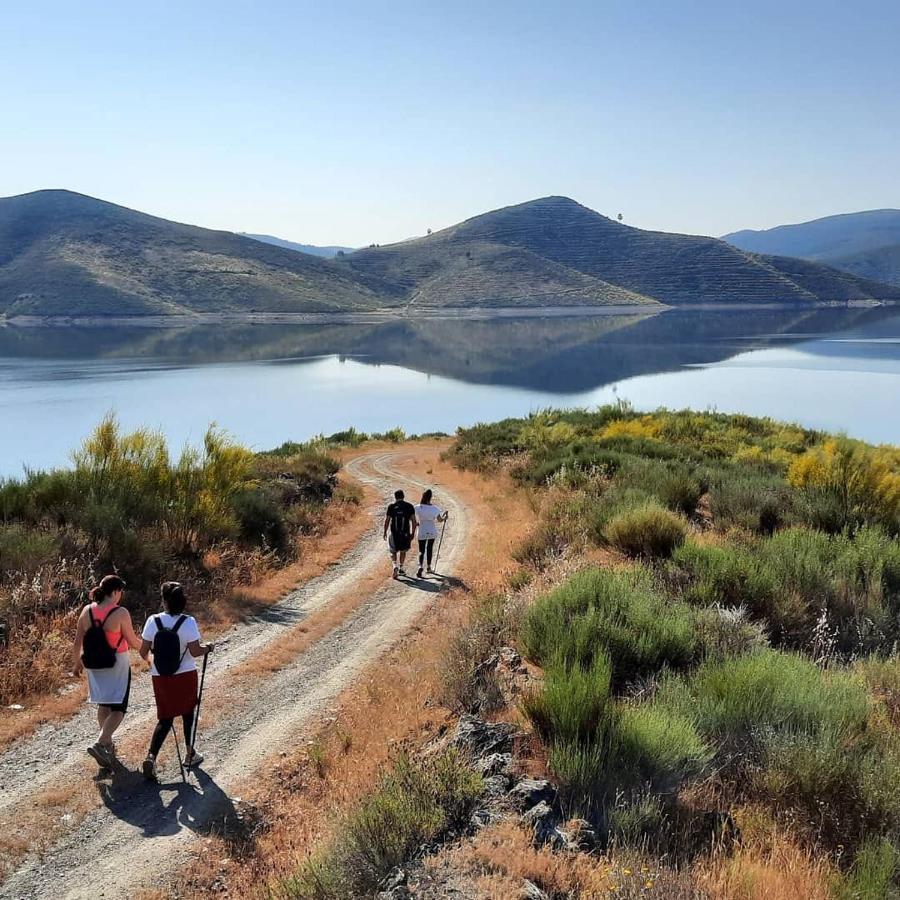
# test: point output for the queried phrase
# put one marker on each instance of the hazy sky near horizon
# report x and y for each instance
(357, 122)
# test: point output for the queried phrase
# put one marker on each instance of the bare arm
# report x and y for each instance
(198, 649)
(387, 521)
(145, 649)
(127, 627)
(80, 629)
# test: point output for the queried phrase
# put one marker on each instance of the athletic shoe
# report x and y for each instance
(102, 755)
(396, 572)
(148, 768)
(419, 572)
(430, 571)
(193, 760)
(401, 572)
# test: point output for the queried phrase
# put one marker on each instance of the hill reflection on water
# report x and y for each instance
(565, 355)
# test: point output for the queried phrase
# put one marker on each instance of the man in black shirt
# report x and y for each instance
(400, 519)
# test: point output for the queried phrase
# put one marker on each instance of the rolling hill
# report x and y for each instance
(565, 241)
(65, 254)
(866, 244)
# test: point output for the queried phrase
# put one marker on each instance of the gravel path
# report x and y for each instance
(144, 831)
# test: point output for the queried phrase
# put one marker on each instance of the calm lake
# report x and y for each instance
(836, 369)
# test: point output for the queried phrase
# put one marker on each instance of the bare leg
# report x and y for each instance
(111, 723)
(402, 555)
(102, 716)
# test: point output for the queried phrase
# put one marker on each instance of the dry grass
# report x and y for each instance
(769, 865)
(498, 859)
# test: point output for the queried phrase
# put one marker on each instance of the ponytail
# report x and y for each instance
(109, 584)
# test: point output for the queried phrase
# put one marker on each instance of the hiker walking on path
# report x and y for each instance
(400, 519)
(427, 516)
(174, 640)
(103, 636)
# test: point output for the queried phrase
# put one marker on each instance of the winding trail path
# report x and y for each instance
(143, 831)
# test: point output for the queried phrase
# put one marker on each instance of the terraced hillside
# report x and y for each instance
(570, 239)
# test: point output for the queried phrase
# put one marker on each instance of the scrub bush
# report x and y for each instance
(417, 802)
(648, 531)
(614, 612)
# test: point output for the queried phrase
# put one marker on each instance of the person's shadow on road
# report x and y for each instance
(432, 586)
(162, 809)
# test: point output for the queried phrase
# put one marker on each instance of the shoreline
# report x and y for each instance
(392, 315)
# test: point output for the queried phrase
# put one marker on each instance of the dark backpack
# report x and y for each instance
(96, 652)
(167, 653)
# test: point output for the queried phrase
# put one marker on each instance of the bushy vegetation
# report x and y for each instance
(417, 802)
(740, 644)
(214, 516)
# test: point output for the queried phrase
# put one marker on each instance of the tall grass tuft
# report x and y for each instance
(418, 801)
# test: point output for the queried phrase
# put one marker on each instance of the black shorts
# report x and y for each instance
(399, 543)
(123, 706)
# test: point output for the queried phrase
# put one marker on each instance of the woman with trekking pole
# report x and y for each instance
(428, 515)
(173, 638)
(103, 636)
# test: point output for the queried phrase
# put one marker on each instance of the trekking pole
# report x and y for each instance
(178, 752)
(437, 555)
(197, 709)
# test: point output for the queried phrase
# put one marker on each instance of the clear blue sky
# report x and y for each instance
(355, 122)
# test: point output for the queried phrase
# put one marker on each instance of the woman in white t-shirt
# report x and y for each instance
(176, 690)
(428, 515)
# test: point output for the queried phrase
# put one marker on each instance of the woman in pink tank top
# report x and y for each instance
(109, 679)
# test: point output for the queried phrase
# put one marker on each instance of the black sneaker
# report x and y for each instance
(419, 572)
(148, 768)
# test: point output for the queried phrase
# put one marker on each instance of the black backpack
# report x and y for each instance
(167, 653)
(96, 652)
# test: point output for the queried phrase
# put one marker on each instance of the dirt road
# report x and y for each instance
(141, 831)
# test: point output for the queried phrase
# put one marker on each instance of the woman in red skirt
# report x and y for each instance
(175, 635)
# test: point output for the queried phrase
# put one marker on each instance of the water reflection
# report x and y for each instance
(560, 355)
(829, 368)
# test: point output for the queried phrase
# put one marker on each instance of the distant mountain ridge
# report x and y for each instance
(313, 249)
(866, 244)
(65, 254)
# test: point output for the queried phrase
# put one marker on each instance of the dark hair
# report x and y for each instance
(398, 495)
(426, 497)
(173, 597)
(109, 584)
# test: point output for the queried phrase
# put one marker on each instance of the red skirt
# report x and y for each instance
(176, 695)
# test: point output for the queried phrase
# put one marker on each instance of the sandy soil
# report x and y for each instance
(125, 834)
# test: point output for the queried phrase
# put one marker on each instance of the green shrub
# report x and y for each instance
(874, 874)
(260, 519)
(25, 550)
(394, 435)
(725, 632)
(572, 701)
(618, 612)
(648, 531)
(739, 701)
(416, 803)
(742, 496)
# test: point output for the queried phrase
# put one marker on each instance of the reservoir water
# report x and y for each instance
(835, 369)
